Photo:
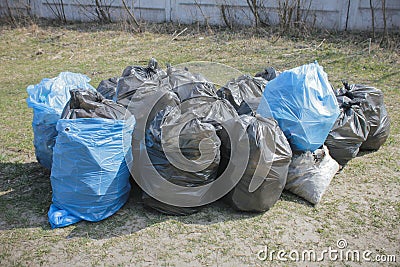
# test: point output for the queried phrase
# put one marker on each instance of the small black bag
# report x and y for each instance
(349, 132)
(373, 107)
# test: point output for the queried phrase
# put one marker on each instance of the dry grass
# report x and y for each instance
(362, 204)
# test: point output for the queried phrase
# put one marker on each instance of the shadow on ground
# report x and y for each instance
(25, 196)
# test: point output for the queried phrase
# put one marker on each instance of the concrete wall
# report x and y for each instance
(337, 15)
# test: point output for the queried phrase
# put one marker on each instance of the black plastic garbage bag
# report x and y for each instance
(144, 92)
(242, 89)
(310, 174)
(374, 109)
(183, 144)
(149, 99)
(91, 104)
(135, 77)
(249, 107)
(268, 73)
(108, 88)
(349, 132)
(152, 71)
(188, 85)
(174, 175)
(265, 176)
(190, 137)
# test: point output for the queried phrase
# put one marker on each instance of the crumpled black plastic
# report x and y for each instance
(269, 73)
(349, 132)
(144, 92)
(249, 107)
(136, 77)
(108, 88)
(374, 109)
(91, 104)
(150, 72)
(188, 85)
(190, 136)
(268, 147)
(200, 115)
(242, 89)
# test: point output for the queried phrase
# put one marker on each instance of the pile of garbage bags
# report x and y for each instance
(187, 143)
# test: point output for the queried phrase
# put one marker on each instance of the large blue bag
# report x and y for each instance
(90, 176)
(48, 99)
(303, 103)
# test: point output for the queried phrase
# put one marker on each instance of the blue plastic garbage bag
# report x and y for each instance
(303, 103)
(90, 176)
(48, 99)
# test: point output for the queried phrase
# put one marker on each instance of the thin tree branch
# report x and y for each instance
(131, 15)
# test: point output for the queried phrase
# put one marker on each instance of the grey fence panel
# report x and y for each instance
(338, 15)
